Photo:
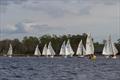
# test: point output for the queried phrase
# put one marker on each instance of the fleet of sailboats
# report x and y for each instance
(66, 49)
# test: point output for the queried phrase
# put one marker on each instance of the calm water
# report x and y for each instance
(32, 68)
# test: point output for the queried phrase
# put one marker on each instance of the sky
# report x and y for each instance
(19, 18)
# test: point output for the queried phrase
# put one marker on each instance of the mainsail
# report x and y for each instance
(37, 51)
(62, 50)
(10, 51)
(115, 51)
(89, 45)
(44, 50)
(68, 49)
(80, 49)
(109, 48)
(50, 50)
(105, 49)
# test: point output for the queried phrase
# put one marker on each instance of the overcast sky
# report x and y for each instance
(19, 18)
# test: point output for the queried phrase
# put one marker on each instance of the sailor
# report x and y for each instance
(92, 57)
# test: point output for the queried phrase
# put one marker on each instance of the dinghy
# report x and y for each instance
(80, 50)
(109, 48)
(105, 50)
(37, 51)
(10, 51)
(68, 49)
(50, 51)
(89, 45)
(115, 51)
(44, 53)
(90, 48)
(62, 50)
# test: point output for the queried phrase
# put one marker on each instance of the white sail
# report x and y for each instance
(50, 50)
(62, 50)
(109, 48)
(68, 49)
(10, 51)
(115, 51)
(44, 50)
(80, 49)
(37, 51)
(89, 45)
(105, 49)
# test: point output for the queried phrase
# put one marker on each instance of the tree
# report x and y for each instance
(29, 44)
(118, 41)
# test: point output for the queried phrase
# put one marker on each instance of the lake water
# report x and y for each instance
(41, 68)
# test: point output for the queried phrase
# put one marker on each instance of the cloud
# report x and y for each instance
(8, 2)
(30, 27)
(59, 16)
(13, 29)
(41, 28)
(59, 8)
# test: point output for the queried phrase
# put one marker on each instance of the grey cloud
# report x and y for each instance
(58, 8)
(7, 2)
(45, 28)
(36, 28)
(19, 29)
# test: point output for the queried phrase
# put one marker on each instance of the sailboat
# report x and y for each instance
(44, 53)
(105, 50)
(37, 51)
(62, 50)
(80, 50)
(109, 48)
(115, 51)
(68, 49)
(50, 51)
(89, 45)
(10, 51)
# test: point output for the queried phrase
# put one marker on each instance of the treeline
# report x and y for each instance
(28, 44)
